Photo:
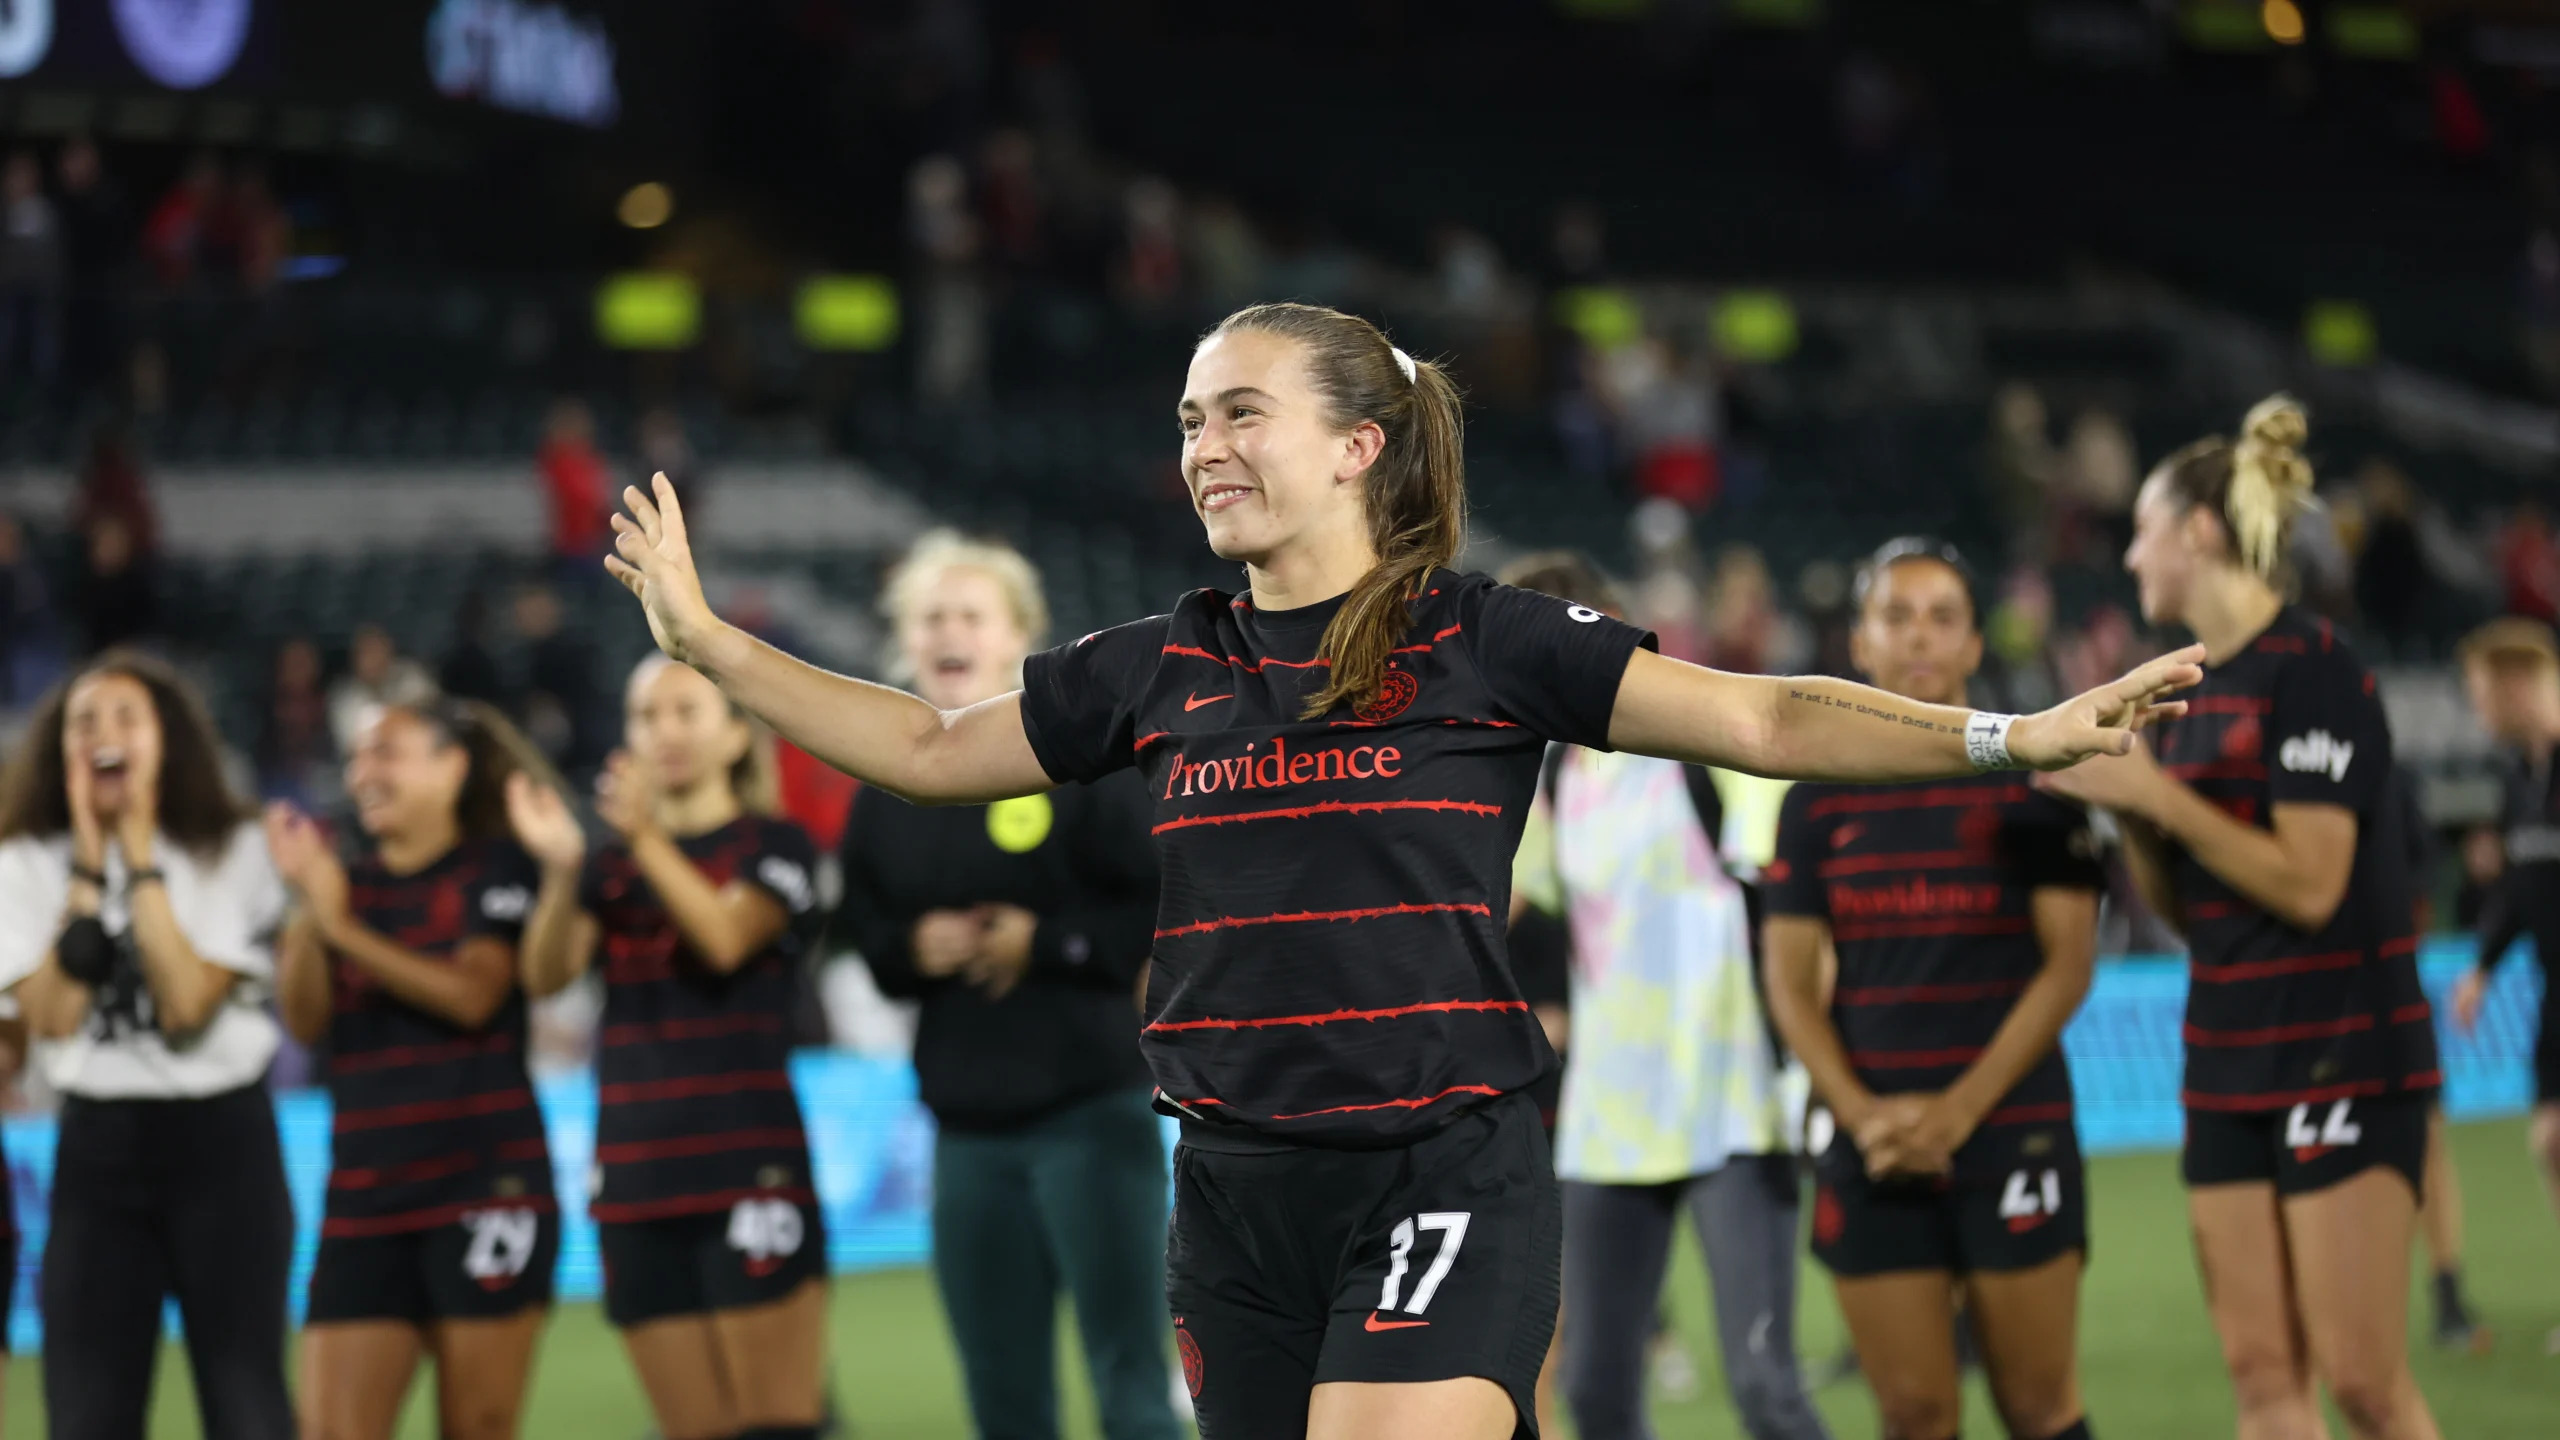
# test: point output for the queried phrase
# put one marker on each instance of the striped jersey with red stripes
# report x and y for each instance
(695, 1110)
(1928, 890)
(1330, 964)
(431, 1118)
(2277, 1016)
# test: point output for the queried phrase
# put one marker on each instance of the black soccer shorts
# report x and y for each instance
(489, 1264)
(2016, 1199)
(755, 1252)
(2308, 1148)
(1430, 1261)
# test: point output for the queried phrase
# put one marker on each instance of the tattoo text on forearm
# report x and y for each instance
(1841, 702)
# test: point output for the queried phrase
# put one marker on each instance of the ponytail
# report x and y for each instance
(496, 750)
(2256, 485)
(1415, 492)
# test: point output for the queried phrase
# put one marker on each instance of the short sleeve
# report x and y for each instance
(33, 886)
(2325, 734)
(1551, 666)
(1792, 882)
(2052, 845)
(784, 865)
(502, 895)
(1080, 701)
(233, 910)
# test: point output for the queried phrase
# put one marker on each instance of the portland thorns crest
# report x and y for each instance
(1395, 693)
(1190, 1349)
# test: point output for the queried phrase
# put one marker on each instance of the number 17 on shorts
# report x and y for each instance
(1452, 1228)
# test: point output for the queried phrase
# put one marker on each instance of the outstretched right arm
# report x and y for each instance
(879, 735)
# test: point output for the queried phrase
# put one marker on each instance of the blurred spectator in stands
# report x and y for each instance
(32, 273)
(2392, 583)
(1887, 134)
(1225, 254)
(1011, 207)
(1822, 588)
(557, 697)
(2019, 675)
(666, 450)
(296, 751)
(2025, 469)
(1148, 277)
(31, 655)
(115, 595)
(1747, 632)
(2538, 301)
(951, 330)
(578, 489)
(261, 231)
(97, 235)
(2107, 639)
(183, 231)
(112, 486)
(2529, 564)
(2099, 475)
(1664, 401)
(1577, 245)
(469, 670)
(377, 675)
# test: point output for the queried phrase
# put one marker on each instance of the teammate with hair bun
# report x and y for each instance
(441, 1230)
(715, 1257)
(1365, 1220)
(1964, 916)
(2264, 832)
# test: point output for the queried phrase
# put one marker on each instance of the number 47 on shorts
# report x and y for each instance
(1452, 1225)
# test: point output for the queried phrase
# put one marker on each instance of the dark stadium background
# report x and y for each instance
(1810, 273)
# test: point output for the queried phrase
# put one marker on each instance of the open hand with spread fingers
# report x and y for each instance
(653, 558)
(2105, 721)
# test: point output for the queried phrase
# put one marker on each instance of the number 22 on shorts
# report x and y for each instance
(1452, 1225)
(2336, 1131)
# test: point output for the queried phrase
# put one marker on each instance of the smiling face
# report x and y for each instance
(403, 775)
(1916, 635)
(111, 729)
(961, 638)
(1266, 469)
(681, 726)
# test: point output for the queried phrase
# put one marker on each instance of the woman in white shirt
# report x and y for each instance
(136, 907)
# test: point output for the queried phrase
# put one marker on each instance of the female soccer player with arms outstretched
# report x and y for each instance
(1965, 918)
(1365, 1221)
(714, 1255)
(2263, 831)
(441, 1230)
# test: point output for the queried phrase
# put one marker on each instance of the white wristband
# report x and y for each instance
(1986, 741)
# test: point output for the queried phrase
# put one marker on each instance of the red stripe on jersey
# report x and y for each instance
(1902, 860)
(2423, 1080)
(696, 1204)
(706, 1028)
(1928, 994)
(1238, 922)
(2283, 965)
(637, 1150)
(2408, 1013)
(1452, 630)
(395, 1056)
(2282, 645)
(1394, 1104)
(1936, 797)
(2405, 945)
(534, 1149)
(2279, 1034)
(2279, 1099)
(2230, 705)
(374, 1177)
(1329, 807)
(1914, 1059)
(360, 1227)
(2219, 770)
(641, 1091)
(2029, 1114)
(1947, 925)
(379, 1117)
(1252, 667)
(1330, 1016)
(2214, 909)
(1144, 741)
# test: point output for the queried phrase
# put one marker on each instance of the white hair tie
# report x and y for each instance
(1404, 363)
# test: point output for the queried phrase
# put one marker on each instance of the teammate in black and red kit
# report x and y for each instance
(441, 1230)
(2263, 831)
(1365, 1226)
(715, 1258)
(1965, 918)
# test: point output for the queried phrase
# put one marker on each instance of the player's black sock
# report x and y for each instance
(2449, 1301)
(2076, 1430)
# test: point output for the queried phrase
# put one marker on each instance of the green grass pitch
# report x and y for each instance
(2149, 1365)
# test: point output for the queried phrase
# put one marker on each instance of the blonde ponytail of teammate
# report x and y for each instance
(2257, 485)
(1416, 490)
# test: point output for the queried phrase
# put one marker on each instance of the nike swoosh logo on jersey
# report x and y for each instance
(1194, 702)
(1374, 1324)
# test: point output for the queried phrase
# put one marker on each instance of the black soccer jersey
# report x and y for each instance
(1329, 958)
(2527, 898)
(432, 1119)
(1927, 890)
(695, 1110)
(2277, 1017)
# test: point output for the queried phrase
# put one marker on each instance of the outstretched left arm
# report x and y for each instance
(1817, 728)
